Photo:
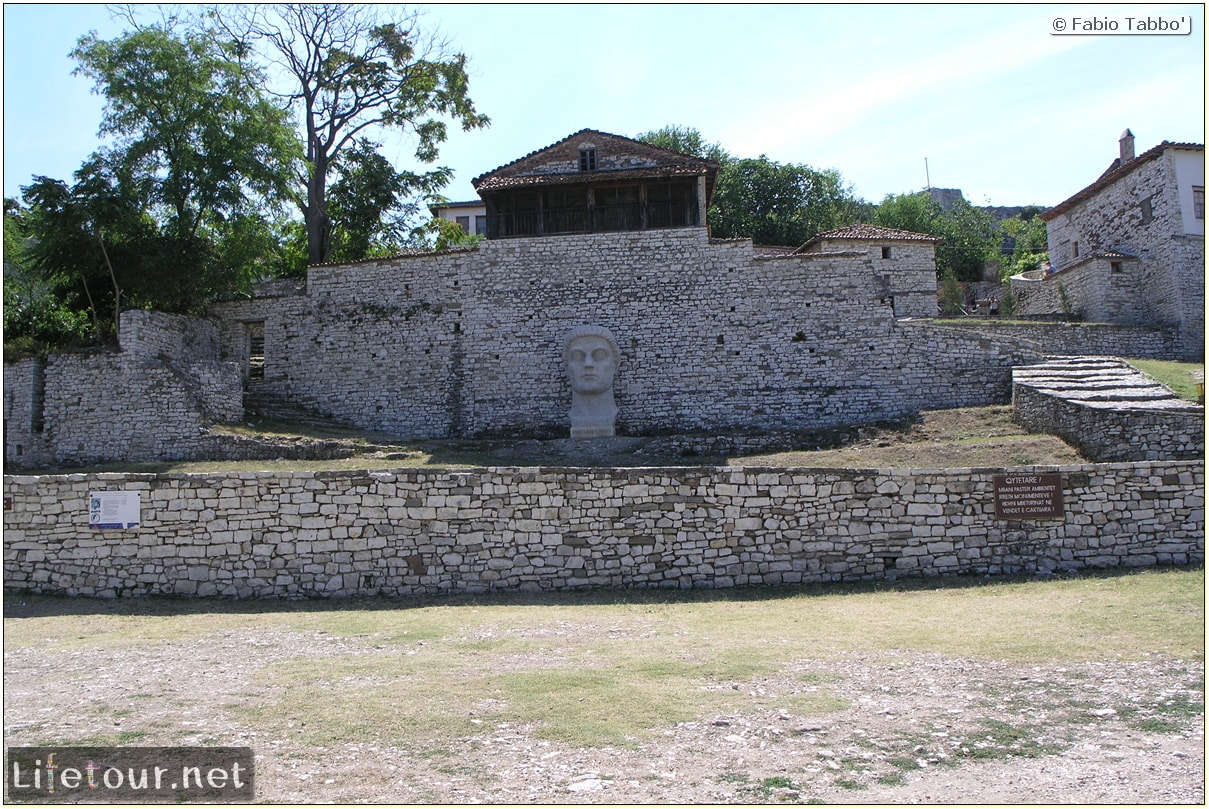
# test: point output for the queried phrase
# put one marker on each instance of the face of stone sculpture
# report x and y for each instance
(591, 365)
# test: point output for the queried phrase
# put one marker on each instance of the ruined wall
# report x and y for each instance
(418, 532)
(711, 338)
(152, 400)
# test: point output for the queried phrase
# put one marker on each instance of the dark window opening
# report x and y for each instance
(887, 251)
(587, 159)
(463, 223)
(1116, 266)
(1147, 210)
(255, 332)
(480, 225)
(1198, 201)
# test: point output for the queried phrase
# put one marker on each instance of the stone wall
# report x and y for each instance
(1097, 289)
(1081, 339)
(712, 337)
(1108, 411)
(418, 532)
(152, 400)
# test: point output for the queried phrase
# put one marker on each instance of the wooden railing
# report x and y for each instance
(599, 218)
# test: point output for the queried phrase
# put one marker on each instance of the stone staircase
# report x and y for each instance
(262, 402)
(1108, 410)
(1100, 382)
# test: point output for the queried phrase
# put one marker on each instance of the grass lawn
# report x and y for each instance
(1181, 377)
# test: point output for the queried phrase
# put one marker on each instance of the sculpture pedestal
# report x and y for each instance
(601, 431)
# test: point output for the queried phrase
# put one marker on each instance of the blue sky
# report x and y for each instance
(998, 105)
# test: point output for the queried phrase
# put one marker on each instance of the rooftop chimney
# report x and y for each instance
(1126, 146)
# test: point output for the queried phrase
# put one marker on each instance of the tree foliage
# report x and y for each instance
(196, 142)
(1029, 245)
(369, 205)
(351, 73)
(761, 199)
(968, 233)
(686, 140)
(779, 203)
(173, 210)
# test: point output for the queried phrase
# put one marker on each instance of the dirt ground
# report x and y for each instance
(918, 728)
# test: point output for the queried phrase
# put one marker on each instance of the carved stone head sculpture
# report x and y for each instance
(591, 356)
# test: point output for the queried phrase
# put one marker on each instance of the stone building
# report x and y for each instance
(905, 261)
(1130, 247)
(591, 182)
(470, 216)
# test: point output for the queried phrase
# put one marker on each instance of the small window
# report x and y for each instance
(1147, 211)
(480, 225)
(587, 158)
(1116, 266)
(1074, 249)
(887, 251)
(1198, 201)
(463, 223)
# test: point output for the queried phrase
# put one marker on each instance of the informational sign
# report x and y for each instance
(1028, 497)
(113, 510)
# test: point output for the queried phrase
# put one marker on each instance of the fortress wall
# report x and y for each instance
(420, 532)
(711, 337)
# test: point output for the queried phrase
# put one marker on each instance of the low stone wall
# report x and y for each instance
(416, 532)
(1083, 339)
(1108, 410)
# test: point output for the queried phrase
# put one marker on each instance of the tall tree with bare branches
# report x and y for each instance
(352, 71)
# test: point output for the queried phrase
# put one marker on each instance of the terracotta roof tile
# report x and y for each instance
(870, 233)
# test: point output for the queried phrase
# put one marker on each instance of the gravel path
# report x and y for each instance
(920, 728)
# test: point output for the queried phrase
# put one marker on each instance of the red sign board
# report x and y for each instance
(1028, 497)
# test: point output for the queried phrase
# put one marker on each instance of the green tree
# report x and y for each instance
(779, 203)
(686, 140)
(351, 73)
(87, 243)
(1029, 243)
(36, 319)
(368, 206)
(196, 141)
(968, 233)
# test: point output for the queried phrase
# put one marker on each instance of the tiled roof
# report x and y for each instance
(1115, 172)
(870, 233)
(669, 163)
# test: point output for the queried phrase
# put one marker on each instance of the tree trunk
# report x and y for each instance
(318, 225)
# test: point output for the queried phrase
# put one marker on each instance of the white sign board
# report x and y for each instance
(113, 510)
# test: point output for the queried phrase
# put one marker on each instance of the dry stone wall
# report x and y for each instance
(152, 400)
(422, 532)
(1081, 339)
(712, 337)
(1108, 410)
